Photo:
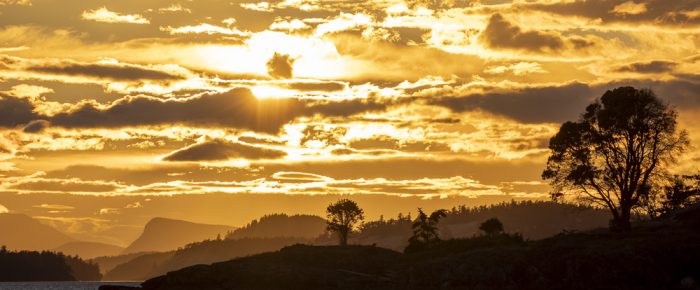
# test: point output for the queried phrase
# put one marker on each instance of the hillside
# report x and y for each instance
(295, 267)
(161, 234)
(206, 252)
(138, 268)
(282, 225)
(88, 250)
(107, 263)
(29, 234)
(658, 254)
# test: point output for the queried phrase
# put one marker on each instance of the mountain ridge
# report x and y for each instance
(164, 234)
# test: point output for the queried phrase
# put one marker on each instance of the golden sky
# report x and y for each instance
(113, 105)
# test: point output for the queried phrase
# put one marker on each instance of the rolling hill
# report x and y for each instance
(282, 225)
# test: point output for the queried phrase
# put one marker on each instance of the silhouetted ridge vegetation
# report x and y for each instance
(532, 219)
(281, 225)
(45, 266)
(657, 254)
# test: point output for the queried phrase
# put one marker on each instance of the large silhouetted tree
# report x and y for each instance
(617, 153)
(342, 217)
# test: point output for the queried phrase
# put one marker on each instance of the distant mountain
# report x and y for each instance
(89, 250)
(282, 225)
(161, 234)
(21, 232)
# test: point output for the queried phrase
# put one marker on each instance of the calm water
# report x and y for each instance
(59, 285)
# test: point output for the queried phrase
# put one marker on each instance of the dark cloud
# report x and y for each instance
(562, 103)
(280, 66)
(237, 108)
(681, 93)
(322, 86)
(499, 33)
(36, 126)
(530, 105)
(219, 149)
(119, 72)
(16, 111)
(374, 152)
(656, 66)
(260, 140)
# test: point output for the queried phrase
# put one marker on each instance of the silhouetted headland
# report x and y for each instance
(657, 254)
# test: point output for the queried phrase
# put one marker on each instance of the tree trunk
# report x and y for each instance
(621, 221)
(343, 238)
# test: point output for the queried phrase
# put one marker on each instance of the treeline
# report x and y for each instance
(45, 266)
(281, 225)
(532, 219)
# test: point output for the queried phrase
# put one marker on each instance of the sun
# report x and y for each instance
(314, 57)
(270, 91)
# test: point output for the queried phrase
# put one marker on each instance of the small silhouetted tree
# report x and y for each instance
(617, 152)
(342, 217)
(425, 228)
(491, 226)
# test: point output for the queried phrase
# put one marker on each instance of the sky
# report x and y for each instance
(113, 112)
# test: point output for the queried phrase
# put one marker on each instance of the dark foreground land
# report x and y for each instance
(659, 254)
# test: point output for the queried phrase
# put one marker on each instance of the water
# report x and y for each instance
(60, 285)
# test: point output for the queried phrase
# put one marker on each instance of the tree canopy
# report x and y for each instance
(425, 228)
(617, 153)
(342, 216)
(491, 226)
